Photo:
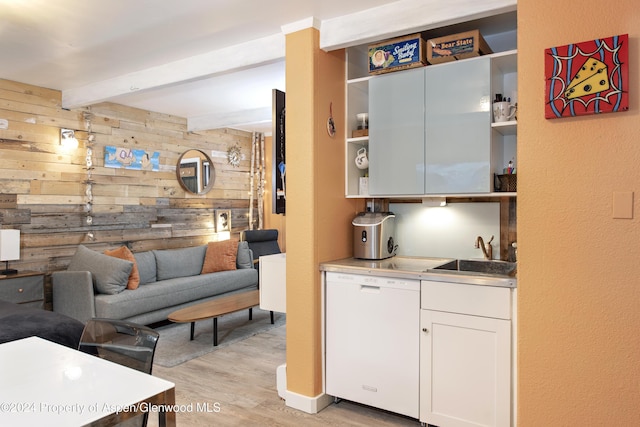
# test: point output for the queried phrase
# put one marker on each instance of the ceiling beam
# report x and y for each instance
(233, 58)
(404, 17)
(233, 119)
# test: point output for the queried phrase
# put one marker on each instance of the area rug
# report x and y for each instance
(174, 346)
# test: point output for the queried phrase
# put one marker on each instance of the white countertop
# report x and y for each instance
(418, 268)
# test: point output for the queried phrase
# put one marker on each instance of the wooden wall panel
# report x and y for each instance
(141, 209)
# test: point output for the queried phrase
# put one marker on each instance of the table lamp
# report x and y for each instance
(9, 249)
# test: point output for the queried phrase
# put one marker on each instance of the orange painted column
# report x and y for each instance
(318, 216)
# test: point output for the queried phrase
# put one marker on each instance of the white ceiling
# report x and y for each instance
(214, 62)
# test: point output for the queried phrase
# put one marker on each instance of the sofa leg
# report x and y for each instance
(251, 313)
(271, 313)
(193, 326)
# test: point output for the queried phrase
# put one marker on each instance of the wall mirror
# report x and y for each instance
(195, 172)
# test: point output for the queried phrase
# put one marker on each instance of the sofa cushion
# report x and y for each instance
(146, 262)
(173, 292)
(110, 274)
(123, 252)
(220, 256)
(172, 263)
(244, 259)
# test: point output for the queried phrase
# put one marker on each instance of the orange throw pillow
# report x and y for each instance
(123, 252)
(220, 256)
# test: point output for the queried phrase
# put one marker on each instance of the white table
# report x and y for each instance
(44, 383)
(273, 282)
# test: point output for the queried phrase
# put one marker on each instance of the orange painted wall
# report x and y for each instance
(579, 269)
(318, 214)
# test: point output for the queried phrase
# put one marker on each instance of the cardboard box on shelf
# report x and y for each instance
(359, 133)
(397, 54)
(456, 46)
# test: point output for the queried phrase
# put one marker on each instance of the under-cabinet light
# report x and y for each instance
(434, 201)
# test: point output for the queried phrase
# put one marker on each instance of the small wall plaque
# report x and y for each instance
(223, 220)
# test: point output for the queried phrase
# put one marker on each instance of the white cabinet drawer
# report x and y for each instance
(486, 301)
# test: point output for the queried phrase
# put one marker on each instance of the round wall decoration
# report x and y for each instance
(233, 155)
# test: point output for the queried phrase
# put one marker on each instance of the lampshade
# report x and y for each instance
(9, 245)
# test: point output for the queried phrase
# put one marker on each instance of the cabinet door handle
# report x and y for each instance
(20, 290)
(425, 330)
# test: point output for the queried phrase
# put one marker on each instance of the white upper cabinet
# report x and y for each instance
(436, 136)
(457, 124)
(431, 129)
(396, 133)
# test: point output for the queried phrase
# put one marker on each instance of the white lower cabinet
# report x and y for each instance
(437, 351)
(372, 344)
(465, 355)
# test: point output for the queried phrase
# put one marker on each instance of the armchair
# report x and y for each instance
(261, 242)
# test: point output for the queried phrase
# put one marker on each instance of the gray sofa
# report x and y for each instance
(94, 283)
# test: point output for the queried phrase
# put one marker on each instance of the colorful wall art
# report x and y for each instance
(279, 198)
(587, 78)
(115, 157)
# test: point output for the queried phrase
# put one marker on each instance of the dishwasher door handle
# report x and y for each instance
(370, 289)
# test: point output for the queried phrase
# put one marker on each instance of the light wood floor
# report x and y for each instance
(238, 384)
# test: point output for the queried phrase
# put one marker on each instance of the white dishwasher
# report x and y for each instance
(373, 341)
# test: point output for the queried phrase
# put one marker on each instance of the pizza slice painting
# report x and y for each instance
(593, 77)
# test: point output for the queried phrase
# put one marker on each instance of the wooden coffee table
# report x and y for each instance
(216, 308)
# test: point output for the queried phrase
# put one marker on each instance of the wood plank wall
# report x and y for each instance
(42, 190)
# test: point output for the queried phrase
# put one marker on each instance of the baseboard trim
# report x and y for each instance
(310, 405)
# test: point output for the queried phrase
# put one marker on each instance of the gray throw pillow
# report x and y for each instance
(244, 258)
(110, 274)
(146, 266)
(172, 263)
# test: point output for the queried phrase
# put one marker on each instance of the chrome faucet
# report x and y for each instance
(487, 249)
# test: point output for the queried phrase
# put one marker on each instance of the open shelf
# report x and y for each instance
(506, 128)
